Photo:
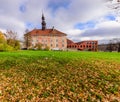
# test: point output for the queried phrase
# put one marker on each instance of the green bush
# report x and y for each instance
(2, 47)
(5, 47)
(17, 45)
(14, 43)
(38, 46)
(47, 48)
(2, 38)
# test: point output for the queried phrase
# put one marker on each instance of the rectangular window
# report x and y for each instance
(62, 45)
(56, 40)
(56, 45)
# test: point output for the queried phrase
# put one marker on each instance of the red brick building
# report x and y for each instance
(51, 38)
(89, 45)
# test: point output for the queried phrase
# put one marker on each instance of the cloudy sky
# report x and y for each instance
(79, 19)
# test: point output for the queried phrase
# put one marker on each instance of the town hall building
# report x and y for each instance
(52, 38)
(57, 40)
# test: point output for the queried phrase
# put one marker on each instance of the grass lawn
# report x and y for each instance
(53, 76)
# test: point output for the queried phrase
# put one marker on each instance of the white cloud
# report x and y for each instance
(63, 18)
(109, 24)
(78, 11)
(104, 30)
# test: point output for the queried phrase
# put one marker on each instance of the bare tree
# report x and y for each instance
(119, 47)
(110, 46)
(12, 39)
(114, 45)
(28, 39)
(114, 5)
(117, 41)
(11, 35)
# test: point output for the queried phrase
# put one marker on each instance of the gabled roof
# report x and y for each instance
(46, 32)
(69, 41)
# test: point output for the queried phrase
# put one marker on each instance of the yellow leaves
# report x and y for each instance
(36, 76)
(2, 37)
(81, 95)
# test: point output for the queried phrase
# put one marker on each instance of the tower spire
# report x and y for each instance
(43, 22)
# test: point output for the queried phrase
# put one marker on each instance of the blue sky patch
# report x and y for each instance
(89, 24)
(29, 25)
(22, 8)
(38, 26)
(55, 4)
(110, 17)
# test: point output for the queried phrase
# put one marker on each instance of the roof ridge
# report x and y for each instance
(46, 31)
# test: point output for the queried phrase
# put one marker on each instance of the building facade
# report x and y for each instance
(109, 47)
(52, 38)
(89, 45)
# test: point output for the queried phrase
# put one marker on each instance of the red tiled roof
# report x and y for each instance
(46, 32)
(69, 41)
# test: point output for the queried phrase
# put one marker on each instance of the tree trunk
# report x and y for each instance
(119, 47)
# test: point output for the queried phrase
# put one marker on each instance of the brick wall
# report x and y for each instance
(91, 45)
